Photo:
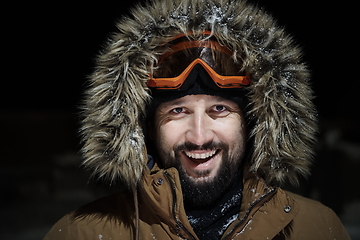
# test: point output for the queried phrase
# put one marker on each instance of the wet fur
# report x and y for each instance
(280, 96)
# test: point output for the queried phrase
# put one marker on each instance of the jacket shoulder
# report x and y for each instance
(309, 203)
(316, 221)
(114, 207)
(98, 218)
(60, 230)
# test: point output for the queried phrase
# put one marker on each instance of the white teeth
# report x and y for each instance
(200, 156)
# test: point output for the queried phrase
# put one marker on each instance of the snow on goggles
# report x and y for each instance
(175, 66)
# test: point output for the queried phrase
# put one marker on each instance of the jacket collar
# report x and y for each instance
(265, 211)
(161, 193)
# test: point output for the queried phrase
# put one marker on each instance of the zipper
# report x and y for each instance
(248, 212)
(173, 191)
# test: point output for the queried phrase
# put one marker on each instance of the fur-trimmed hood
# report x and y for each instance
(279, 95)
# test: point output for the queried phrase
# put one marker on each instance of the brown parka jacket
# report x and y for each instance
(280, 109)
(265, 213)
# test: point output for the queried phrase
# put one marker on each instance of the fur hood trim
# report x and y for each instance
(280, 97)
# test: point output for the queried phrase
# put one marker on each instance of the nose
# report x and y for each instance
(200, 131)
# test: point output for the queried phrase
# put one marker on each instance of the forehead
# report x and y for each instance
(194, 100)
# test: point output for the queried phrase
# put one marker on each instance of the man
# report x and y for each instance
(201, 109)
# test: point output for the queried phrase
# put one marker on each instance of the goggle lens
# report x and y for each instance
(175, 66)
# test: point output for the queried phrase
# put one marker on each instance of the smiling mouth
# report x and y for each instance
(201, 156)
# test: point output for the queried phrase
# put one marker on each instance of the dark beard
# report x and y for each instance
(205, 193)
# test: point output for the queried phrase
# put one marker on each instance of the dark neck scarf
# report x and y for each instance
(210, 223)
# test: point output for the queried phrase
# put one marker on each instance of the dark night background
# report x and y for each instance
(49, 49)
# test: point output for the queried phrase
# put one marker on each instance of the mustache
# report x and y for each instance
(189, 146)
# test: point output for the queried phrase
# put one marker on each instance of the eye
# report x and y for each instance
(177, 110)
(220, 108)
(219, 111)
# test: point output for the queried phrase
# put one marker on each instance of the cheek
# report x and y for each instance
(232, 131)
(168, 137)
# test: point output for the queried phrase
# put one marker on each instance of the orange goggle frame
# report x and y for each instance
(219, 80)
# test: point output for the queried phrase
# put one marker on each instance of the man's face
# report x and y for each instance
(204, 138)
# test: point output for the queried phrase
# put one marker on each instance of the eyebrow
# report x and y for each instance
(181, 101)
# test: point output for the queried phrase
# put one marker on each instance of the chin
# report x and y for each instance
(203, 176)
(201, 179)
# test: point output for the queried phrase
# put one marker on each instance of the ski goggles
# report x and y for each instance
(176, 66)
